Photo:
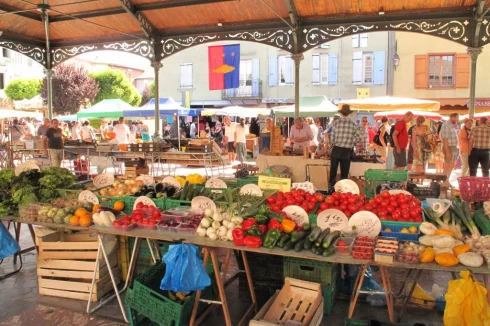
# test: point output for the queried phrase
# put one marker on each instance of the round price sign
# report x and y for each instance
(145, 200)
(87, 196)
(333, 219)
(297, 214)
(200, 203)
(147, 179)
(366, 223)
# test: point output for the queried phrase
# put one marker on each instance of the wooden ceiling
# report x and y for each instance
(106, 19)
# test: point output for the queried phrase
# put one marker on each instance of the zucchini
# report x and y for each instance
(306, 227)
(183, 194)
(299, 245)
(298, 235)
(282, 240)
(329, 251)
(330, 238)
(288, 245)
(315, 233)
(322, 236)
(308, 244)
(314, 249)
(319, 251)
(195, 193)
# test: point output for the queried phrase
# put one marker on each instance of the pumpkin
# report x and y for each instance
(427, 256)
(80, 212)
(447, 260)
(471, 259)
(118, 205)
(444, 232)
(74, 220)
(427, 228)
(461, 249)
(85, 220)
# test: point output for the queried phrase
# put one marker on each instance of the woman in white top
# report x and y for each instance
(75, 131)
(87, 132)
(241, 141)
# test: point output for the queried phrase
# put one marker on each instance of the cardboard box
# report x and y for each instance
(38, 143)
(29, 143)
(133, 172)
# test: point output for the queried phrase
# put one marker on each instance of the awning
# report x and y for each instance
(9, 114)
(398, 114)
(476, 117)
(315, 106)
(237, 111)
(109, 108)
(389, 103)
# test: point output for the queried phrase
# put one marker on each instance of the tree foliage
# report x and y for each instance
(20, 89)
(72, 88)
(115, 85)
(147, 95)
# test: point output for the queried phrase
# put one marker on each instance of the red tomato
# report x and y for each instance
(353, 208)
(313, 200)
(351, 200)
(372, 201)
(291, 201)
(271, 199)
(348, 213)
(156, 213)
(363, 197)
(275, 208)
(385, 194)
(117, 223)
(329, 199)
(336, 196)
(375, 211)
(311, 206)
(406, 216)
(125, 218)
(323, 206)
(394, 204)
(362, 208)
(378, 200)
(390, 209)
(382, 215)
(140, 205)
(279, 202)
(385, 203)
(343, 207)
(319, 196)
(337, 203)
(369, 207)
(414, 213)
(343, 197)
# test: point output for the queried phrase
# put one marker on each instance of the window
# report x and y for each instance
(441, 71)
(2, 81)
(320, 68)
(359, 40)
(245, 72)
(186, 75)
(324, 46)
(5, 53)
(367, 65)
(286, 70)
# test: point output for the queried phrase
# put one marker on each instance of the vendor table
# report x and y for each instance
(297, 165)
(209, 160)
(210, 247)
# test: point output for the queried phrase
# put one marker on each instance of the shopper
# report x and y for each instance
(193, 129)
(87, 132)
(17, 132)
(364, 132)
(344, 137)
(464, 146)
(75, 131)
(53, 144)
(122, 132)
(449, 139)
(300, 134)
(254, 127)
(241, 141)
(438, 153)
(41, 131)
(400, 141)
(230, 138)
(480, 148)
(217, 133)
(382, 139)
(421, 142)
(410, 149)
(314, 131)
(145, 132)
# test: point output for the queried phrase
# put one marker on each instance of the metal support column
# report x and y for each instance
(156, 66)
(49, 80)
(474, 53)
(297, 61)
(49, 71)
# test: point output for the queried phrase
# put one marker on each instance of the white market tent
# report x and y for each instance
(389, 103)
(477, 116)
(315, 106)
(398, 114)
(71, 117)
(10, 114)
(237, 111)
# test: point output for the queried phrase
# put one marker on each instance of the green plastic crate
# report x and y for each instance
(312, 218)
(324, 273)
(386, 175)
(174, 203)
(108, 201)
(329, 293)
(482, 222)
(356, 322)
(248, 180)
(147, 299)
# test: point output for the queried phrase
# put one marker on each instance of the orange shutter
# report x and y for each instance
(421, 71)
(462, 75)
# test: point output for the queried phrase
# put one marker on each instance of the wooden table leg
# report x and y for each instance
(221, 288)
(386, 288)
(198, 293)
(33, 236)
(224, 268)
(410, 293)
(357, 288)
(485, 281)
(17, 226)
(253, 306)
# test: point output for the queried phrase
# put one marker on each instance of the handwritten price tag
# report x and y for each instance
(145, 200)
(87, 196)
(200, 203)
(366, 223)
(306, 186)
(296, 214)
(333, 219)
(103, 180)
(147, 179)
(215, 183)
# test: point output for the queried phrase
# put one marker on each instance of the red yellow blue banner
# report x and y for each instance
(224, 66)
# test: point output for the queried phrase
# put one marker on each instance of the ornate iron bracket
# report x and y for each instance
(457, 30)
(35, 52)
(144, 23)
(279, 38)
(142, 48)
(484, 32)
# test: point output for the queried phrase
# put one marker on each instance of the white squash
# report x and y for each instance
(443, 241)
(97, 219)
(107, 218)
(438, 251)
(470, 259)
(427, 228)
(426, 240)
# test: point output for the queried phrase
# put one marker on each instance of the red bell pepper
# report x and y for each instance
(247, 224)
(252, 241)
(274, 224)
(263, 228)
(238, 237)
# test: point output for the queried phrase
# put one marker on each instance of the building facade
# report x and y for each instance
(14, 65)
(436, 69)
(338, 70)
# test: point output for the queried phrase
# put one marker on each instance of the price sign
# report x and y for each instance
(346, 185)
(145, 200)
(147, 179)
(281, 184)
(333, 219)
(103, 180)
(306, 186)
(366, 223)
(215, 183)
(200, 203)
(87, 196)
(172, 181)
(296, 214)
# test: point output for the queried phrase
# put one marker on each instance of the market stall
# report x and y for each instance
(388, 103)
(315, 106)
(398, 114)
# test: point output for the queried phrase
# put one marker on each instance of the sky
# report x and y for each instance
(118, 58)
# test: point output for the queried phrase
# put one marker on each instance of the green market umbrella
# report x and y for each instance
(315, 106)
(110, 108)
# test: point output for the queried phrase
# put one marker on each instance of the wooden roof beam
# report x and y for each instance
(15, 11)
(137, 9)
(147, 28)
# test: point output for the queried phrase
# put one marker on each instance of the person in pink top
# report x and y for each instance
(300, 134)
(464, 146)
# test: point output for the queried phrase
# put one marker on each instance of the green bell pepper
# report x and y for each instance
(254, 231)
(271, 238)
(261, 219)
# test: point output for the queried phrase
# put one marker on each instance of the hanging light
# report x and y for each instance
(396, 57)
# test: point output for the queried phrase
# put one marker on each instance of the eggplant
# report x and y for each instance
(150, 194)
(160, 187)
(171, 191)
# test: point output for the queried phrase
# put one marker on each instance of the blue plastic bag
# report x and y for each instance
(184, 270)
(8, 245)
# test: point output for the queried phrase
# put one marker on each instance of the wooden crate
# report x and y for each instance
(297, 301)
(66, 265)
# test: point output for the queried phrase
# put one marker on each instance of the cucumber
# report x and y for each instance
(314, 249)
(298, 235)
(329, 251)
(299, 245)
(319, 251)
(190, 192)
(322, 236)
(288, 245)
(282, 240)
(308, 244)
(184, 191)
(315, 233)
(330, 238)
(195, 193)
(306, 227)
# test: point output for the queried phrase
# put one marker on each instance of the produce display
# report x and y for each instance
(310, 203)
(191, 190)
(123, 188)
(363, 248)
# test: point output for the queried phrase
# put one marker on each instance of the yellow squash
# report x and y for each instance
(447, 260)
(427, 256)
(461, 249)
(444, 232)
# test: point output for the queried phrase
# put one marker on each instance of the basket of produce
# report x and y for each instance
(474, 189)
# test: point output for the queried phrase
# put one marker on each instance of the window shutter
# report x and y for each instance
(332, 68)
(357, 67)
(379, 67)
(324, 68)
(355, 41)
(315, 68)
(289, 70)
(273, 70)
(363, 41)
(462, 76)
(255, 77)
(421, 71)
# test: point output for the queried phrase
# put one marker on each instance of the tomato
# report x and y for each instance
(311, 205)
(378, 200)
(336, 196)
(372, 201)
(369, 207)
(362, 208)
(375, 211)
(343, 197)
(419, 209)
(323, 206)
(353, 208)
(385, 194)
(406, 216)
(414, 213)
(348, 213)
(329, 199)
(291, 201)
(390, 209)
(276, 208)
(319, 197)
(313, 200)
(385, 203)
(382, 215)
(394, 204)
(343, 207)
(279, 202)
(117, 223)
(351, 200)
(271, 199)
(336, 203)
(363, 197)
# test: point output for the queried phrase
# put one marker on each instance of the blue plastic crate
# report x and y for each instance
(397, 234)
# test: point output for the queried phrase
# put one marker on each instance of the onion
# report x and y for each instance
(231, 226)
(206, 222)
(229, 235)
(213, 236)
(201, 232)
(225, 223)
(218, 217)
(120, 193)
(222, 231)
(210, 231)
(216, 225)
(208, 212)
(103, 192)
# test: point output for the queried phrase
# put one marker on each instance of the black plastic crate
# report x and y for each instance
(263, 290)
(264, 268)
(432, 191)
